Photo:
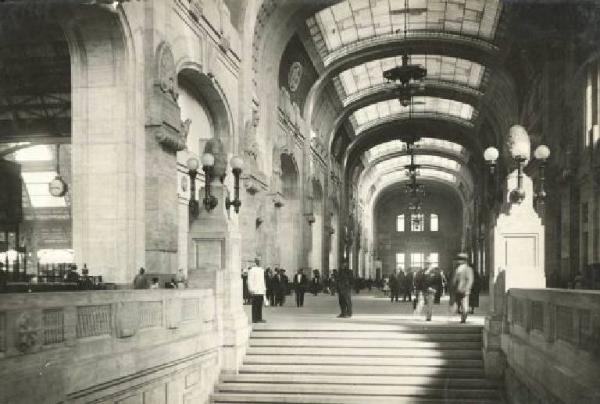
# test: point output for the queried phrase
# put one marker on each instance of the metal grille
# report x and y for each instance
(537, 316)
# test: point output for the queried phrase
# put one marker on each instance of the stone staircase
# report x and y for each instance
(362, 363)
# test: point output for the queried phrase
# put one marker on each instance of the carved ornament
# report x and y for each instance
(166, 73)
(27, 333)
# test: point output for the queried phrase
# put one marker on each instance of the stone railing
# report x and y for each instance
(95, 339)
(552, 341)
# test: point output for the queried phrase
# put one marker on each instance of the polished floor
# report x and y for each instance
(367, 306)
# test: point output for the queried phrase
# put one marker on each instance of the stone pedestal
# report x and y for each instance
(517, 261)
(214, 260)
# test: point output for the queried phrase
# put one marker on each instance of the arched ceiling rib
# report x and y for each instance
(424, 145)
(402, 128)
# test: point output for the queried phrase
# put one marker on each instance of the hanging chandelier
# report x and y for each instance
(411, 77)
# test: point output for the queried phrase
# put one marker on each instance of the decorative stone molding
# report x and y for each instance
(164, 119)
(166, 74)
(27, 333)
(215, 147)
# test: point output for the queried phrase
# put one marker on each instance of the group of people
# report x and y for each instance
(143, 281)
(426, 284)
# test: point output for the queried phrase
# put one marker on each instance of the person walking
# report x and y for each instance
(462, 284)
(344, 288)
(257, 289)
(316, 282)
(299, 287)
(270, 284)
(474, 296)
(394, 286)
(431, 285)
(408, 286)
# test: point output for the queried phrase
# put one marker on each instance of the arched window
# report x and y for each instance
(434, 224)
(400, 223)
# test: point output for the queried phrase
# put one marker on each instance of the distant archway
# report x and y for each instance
(289, 215)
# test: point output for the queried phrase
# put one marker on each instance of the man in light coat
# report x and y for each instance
(257, 289)
(462, 283)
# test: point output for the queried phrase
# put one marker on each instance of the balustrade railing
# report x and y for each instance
(37, 322)
(570, 317)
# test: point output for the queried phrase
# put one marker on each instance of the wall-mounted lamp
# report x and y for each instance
(208, 166)
(193, 207)
(236, 168)
(542, 152)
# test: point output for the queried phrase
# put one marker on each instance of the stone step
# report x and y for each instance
(397, 352)
(429, 381)
(357, 335)
(356, 360)
(360, 343)
(363, 370)
(357, 326)
(338, 399)
(357, 389)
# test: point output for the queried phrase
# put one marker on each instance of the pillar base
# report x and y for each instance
(494, 361)
(236, 332)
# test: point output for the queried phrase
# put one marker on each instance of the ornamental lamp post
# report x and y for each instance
(193, 207)
(236, 168)
(208, 165)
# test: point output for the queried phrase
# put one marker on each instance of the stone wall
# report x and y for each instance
(551, 342)
(146, 346)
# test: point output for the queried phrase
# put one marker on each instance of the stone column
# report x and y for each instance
(516, 261)
(108, 148)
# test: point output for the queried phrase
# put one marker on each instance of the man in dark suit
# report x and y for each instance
(344, 287)
(394, 286)
(300, 287)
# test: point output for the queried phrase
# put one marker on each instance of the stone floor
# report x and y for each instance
(371, 307)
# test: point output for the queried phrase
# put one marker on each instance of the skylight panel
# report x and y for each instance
(355, 20)
(34, 153)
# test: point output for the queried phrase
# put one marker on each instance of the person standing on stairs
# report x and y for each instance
(257, 288)
(430, 287)
(344, 287)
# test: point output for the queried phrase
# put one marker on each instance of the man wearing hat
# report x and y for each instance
(462, 283)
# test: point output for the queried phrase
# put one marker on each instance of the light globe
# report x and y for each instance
(236, 163)
(491, 154)
(542, 152)
(192, 164)
(208, 160)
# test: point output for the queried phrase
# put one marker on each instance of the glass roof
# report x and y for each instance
(398, 163)
(351, 21)
(35, 153)
(395, 146)
(421, 104)
(439, 67)
(397, 176)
